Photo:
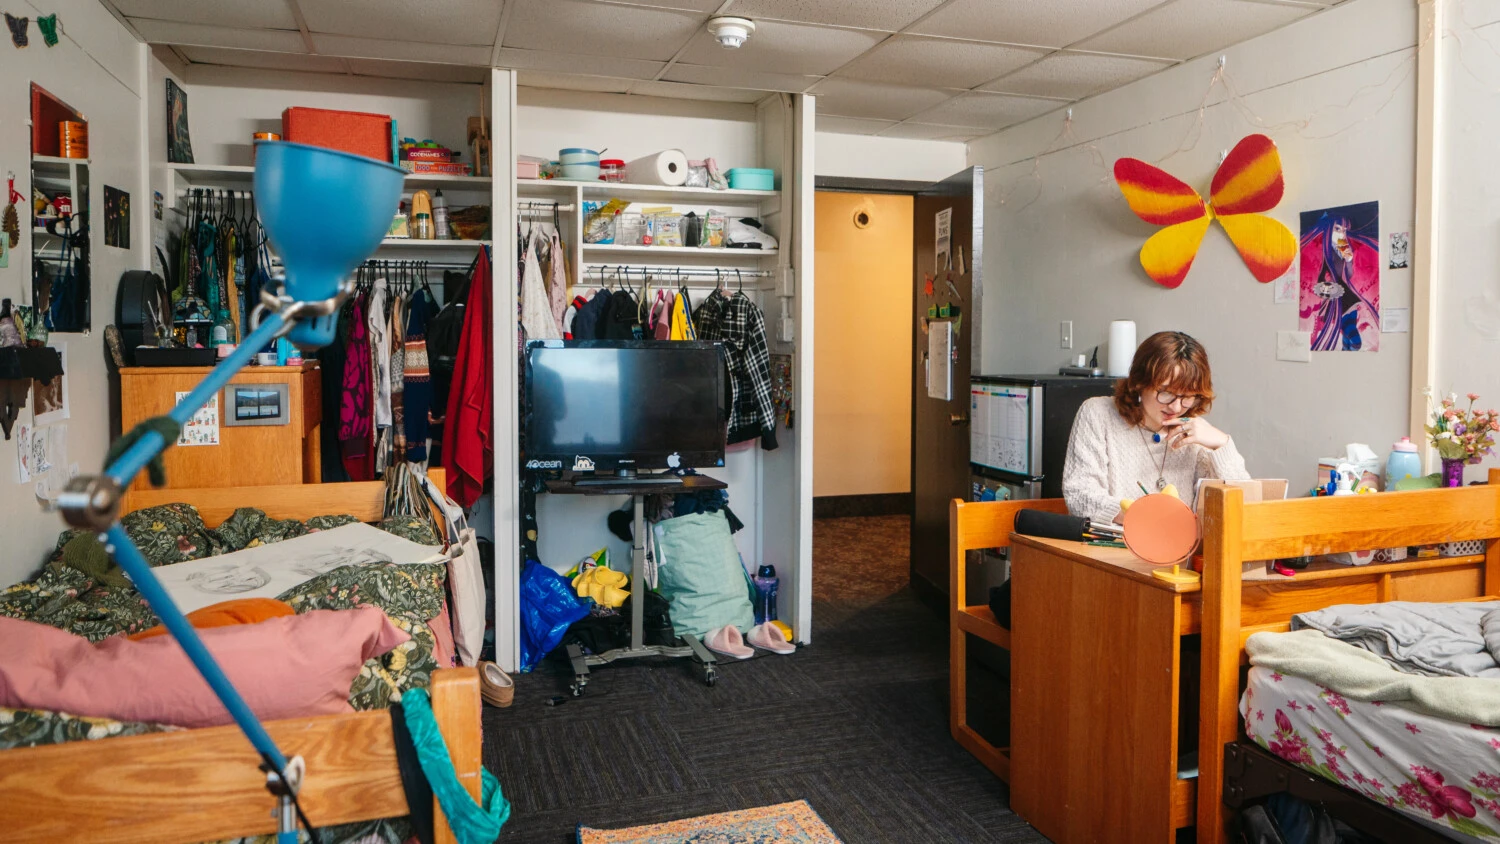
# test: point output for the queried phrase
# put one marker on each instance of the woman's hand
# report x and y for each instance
(1187, 430)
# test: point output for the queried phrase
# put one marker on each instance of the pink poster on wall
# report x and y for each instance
(1339, 305)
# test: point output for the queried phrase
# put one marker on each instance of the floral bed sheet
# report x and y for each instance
(1444, 773)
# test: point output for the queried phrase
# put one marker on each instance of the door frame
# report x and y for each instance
(908, 187)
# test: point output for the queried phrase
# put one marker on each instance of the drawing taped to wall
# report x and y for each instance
(1400, 246)
(1340, 278)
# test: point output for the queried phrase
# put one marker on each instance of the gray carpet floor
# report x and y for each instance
(855, 723)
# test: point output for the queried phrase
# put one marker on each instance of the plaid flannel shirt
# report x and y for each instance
(737, 323)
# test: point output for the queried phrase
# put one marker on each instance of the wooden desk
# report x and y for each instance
(1096, 669)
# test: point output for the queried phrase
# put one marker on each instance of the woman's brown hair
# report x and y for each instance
(1167, 360)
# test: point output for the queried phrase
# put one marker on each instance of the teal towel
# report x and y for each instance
(471, 823)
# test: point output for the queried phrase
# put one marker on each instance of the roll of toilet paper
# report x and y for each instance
(668, 167)
(1121, 347)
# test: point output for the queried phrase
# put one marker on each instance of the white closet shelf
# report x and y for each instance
(557, 188)
(53, 160)
(413, 243)
(241, 176)
(719, 254)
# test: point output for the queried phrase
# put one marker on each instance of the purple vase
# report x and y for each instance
(1453, 471)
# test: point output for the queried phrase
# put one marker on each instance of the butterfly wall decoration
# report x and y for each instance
(1247, 185)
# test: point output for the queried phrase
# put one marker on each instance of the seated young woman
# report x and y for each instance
(1152, 432)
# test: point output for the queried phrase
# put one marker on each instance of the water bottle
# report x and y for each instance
(440, 215)
(765, 594)
(1403, 463)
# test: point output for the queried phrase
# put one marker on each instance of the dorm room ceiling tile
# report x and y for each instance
(168, 32)
(784, 48)
(682, 91)
(271, 14)
(888, 15)
(994, 111)
(577, 26)
(568, 82)
(1045, 23)
(938, 62)
(1184, 29)
(416, 51)
(421, 71)
(851, 125)
(687, 5)
(728, 77)
(263, 60)
(855, 98)
(575, 63)
(935, 132)
(1072, 76)
(447, 22)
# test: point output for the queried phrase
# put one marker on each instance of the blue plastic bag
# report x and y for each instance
(548, 606)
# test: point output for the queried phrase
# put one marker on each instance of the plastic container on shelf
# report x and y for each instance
(668, 229)
(630, 229)
(1403, 463)
(580, 172)
(751, 178)
(697, 176)
(612, 170)
(578, 155)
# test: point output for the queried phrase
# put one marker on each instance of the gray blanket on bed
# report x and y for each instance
(1358, 674)
(1434, 640)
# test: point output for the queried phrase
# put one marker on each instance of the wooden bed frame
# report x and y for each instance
(1229, 609)
(205, 784)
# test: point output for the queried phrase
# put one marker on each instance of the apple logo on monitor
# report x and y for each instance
(674, 460)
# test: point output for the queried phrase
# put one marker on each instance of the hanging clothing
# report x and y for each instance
(468, 442)
(623, 320)
(737, 323)
(557, 279)
(536, 309)
(570, 315)
(378, 326)
(398, 379)
(661, 316)
(682, 323)
(590, 316)
(356, 407)
(416, 379)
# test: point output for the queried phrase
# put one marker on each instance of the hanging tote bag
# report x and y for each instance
(661, 316)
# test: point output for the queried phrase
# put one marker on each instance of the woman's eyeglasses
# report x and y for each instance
(1188, 401)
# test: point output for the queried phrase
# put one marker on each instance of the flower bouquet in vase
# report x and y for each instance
(1462, 436)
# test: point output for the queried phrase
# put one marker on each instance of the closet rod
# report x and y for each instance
(726, 273)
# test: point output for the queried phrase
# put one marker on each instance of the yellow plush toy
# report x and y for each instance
(602, 584)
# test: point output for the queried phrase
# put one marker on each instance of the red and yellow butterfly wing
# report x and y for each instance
(1168, 254)
(1249, 181)
(1157, 196)
(1267, 246)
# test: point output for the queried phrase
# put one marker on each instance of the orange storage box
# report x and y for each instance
(351, 131)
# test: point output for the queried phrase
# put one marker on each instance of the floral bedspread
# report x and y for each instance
(1445, 774)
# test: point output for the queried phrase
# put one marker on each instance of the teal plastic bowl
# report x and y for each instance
(751, 178)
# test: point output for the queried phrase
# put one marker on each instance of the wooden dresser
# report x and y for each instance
(268, 431)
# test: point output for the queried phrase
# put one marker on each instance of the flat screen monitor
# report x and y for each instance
(623, 405)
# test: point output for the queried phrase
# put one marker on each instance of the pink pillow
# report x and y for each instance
(287, 667)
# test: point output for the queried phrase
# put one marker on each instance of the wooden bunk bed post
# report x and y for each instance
(974, 526)
(456, 704)
(1218, 719)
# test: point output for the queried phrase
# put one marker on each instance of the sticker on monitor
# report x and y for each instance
(582, 464)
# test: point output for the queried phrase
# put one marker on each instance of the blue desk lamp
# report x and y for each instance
(325, 211)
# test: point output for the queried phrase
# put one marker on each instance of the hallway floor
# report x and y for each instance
(855, 723)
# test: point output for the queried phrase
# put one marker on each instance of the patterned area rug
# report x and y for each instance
(784, 823)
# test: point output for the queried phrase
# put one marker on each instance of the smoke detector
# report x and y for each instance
(731, 32)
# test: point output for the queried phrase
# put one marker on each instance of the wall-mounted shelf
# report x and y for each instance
(607, 249)
(53, 160)
(559, 188)
(242, 176)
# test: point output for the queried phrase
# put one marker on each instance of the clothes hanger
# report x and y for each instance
(741, 279)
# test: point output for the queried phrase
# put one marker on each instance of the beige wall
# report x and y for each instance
(862, 400)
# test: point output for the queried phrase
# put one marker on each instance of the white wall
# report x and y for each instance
(1336, 93)
(870, 157)
(99, 69)
(1467, 305)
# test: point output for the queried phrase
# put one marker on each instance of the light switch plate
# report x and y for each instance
(1065, 334)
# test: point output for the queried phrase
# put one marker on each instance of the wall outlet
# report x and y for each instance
(1065, 334)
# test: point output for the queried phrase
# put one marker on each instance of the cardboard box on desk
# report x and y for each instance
(1256, 489)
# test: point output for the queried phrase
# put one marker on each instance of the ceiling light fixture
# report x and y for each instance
(731, 32)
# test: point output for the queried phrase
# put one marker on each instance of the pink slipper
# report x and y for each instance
(727, 641)
(768, 637)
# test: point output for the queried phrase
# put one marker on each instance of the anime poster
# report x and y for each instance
(1340, 278)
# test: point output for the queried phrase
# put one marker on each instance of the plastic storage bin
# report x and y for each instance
(752, 178)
